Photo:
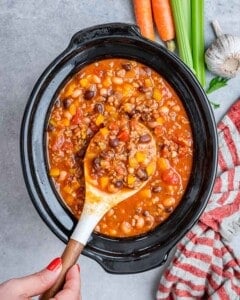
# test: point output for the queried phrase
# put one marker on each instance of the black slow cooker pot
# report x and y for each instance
(125, 255)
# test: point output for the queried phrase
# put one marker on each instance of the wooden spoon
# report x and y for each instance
(97, 203)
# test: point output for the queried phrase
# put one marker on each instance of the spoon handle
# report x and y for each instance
(69, 258)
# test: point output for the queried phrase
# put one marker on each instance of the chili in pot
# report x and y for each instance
(110, 95)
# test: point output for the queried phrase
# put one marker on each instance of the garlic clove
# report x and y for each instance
(223, 56)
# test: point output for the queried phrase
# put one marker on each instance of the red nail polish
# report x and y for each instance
(54, 264)
(78, 268)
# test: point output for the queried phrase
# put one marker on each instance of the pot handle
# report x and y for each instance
(104, 30)
(132, 264)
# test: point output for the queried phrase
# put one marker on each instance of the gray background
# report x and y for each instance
(32, 34)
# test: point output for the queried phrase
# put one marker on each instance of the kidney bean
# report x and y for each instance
(66, 103)
(142, 89)
(142, 174)
(127, 66)
(114, 142)
(146, 138)
(88, 95)
(50, 127)
(156, 189)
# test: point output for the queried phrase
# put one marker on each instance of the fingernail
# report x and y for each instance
(78, 268)
(55, 264)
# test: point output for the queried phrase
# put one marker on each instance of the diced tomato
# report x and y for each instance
(170, 176)
(77, 117)
(124, 136)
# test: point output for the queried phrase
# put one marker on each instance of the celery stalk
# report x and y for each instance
(197, 38)
(183, 42)
(186, 4)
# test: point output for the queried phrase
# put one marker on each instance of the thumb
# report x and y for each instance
(39, 282)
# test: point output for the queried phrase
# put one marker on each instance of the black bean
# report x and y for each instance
(50, 127)
(145, 138)
(127, 66)
(88, 95)
(96, 163)
(142, 174)
(169, 209)
(156, 189)
(142, 89)
(114, 142)
(99, 108)
(66, 103)
(118, 184)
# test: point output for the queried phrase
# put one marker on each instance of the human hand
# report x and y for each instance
(33, 285)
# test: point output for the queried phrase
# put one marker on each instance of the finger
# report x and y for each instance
(73, 279)
(38, 283)
(71, 289)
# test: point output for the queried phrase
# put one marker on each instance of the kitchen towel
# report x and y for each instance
(204, 266)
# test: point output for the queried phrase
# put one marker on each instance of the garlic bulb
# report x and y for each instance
(223, 56)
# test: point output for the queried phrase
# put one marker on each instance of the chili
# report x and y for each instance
(109, 96)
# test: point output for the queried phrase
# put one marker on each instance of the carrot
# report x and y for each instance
(144, 19)
(162, 15)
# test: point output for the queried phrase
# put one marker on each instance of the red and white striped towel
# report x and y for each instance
(204, 266)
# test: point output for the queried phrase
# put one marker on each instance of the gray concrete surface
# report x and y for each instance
(32, 34)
